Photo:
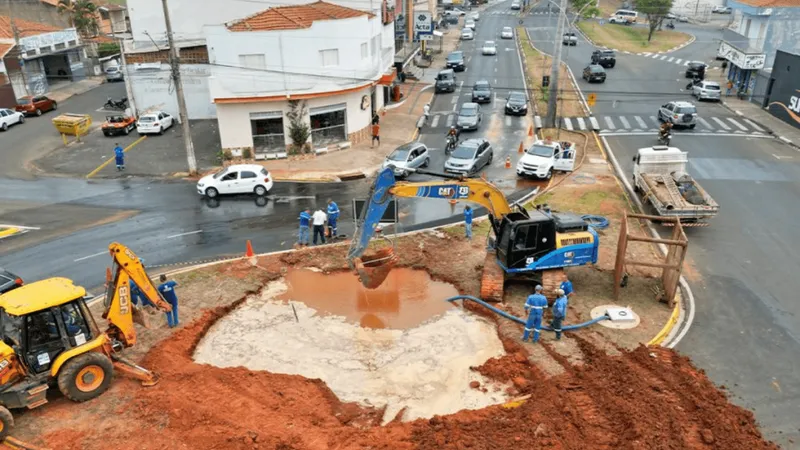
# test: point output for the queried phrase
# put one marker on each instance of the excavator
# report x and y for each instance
(533, 244)
(50, 337)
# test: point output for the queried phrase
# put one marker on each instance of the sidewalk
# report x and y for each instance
(79, 87)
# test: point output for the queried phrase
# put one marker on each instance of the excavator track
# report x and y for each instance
(493, 279)
(551, 280)
(16, 444)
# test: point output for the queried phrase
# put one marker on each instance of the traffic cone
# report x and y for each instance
(249, 253)
(452, 201)
(521, 150)
(508, 162)
(530, 131)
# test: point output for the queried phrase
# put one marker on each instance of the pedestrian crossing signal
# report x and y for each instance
(591, 98)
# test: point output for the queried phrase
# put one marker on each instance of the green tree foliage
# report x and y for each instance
(299, 131)
(587, 8)
(655, 11)
(82, 16)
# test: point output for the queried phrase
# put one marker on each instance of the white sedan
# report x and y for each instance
(467, 34)
(154, 123)
(9, 117)
(454, 12)
(236, 179)
(489, 48)
(507, 33)
(469, 23)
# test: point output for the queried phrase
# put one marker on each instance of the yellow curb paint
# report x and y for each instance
(673, 319)
(414, 134)
(102, 166)
(8, 232)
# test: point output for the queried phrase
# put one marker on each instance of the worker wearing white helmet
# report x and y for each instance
(559, 312)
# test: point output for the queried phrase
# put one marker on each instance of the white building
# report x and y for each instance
(329, 58)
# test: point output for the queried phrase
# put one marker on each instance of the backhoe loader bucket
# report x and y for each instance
(373, 270)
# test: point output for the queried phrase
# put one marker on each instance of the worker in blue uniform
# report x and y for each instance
(333, 215)
(167, 290)
(534, 306)
(305, 225)
(566, 286)
(468, 221)
(559, 312)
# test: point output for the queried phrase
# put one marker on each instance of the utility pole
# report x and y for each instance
(19, 49)
(176, 78)
(555, 70)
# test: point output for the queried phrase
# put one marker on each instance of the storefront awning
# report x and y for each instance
(388, 78)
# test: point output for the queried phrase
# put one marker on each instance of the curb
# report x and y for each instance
(8, 232)
(769, 130)
(691, 40)
(659, 338)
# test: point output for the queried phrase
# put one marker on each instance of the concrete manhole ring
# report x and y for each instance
(617, 325)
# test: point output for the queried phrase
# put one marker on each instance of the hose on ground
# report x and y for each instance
(520, 321)
(597, 222)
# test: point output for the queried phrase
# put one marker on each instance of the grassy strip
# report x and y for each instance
(631, 38)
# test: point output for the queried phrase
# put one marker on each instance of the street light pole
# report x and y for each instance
(550, 119)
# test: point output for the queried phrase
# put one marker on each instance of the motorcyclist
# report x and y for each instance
(452, 137)
(665, 129)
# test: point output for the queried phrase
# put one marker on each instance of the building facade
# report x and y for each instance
(782, 96)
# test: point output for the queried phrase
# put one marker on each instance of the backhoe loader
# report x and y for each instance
(537, 244)
(51, 339)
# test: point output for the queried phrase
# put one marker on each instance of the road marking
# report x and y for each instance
(8, 232)
(656, 55)
(664, 57)
(5, 225)
(686, 63)
(90, 256)
(435, 121)
(721, 123)
(454, 107)
(450, 119)
(495, 69)
(624, 121)
(754, 125)
(641, 122)
(678, 61)
(461, 84)
(721, 133)
(738, 125)
(595, 124)
(184, 234)
(568, 123)
(705, 123)
(508, 121)
(671, 59)
(454, 100)
(780, 157)
(581, 123)
(102, 166)
(609, 123)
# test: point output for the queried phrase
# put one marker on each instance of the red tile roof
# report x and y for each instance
(294, 17)
(771, 3)
(4, 48)
(25, 28)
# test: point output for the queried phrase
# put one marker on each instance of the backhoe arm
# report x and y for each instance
(127, 266)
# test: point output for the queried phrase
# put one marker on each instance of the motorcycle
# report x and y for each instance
(671, 26)
(695, 81)
(450, 145)
(121, 104)
(664, 138)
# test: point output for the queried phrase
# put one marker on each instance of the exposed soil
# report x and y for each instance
(647, 398)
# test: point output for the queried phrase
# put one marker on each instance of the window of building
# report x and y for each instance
(253, 61)
(328, 125)
(374, 45)
(267, 131)
(329, 57)
(364, 51)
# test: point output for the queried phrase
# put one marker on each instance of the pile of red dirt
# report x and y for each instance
(645, 399)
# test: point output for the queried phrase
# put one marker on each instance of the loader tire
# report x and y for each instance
(6, 422)
(493, 279)
(86, 376)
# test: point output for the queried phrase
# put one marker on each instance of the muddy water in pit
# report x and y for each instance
(412, 352)
(406, 299)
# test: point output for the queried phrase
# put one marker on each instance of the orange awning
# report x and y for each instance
(388, 79)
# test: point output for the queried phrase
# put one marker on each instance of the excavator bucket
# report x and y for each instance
(373, 270)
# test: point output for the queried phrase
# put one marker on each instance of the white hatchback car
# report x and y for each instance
(489, 48)
(707, 90)
(469, 23)
(467, 34)
(507, 33)
(236, 179)
(9, 117)
(154, 123)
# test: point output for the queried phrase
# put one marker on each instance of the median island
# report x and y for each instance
(631, 38)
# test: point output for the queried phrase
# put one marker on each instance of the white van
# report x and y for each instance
(624, 15)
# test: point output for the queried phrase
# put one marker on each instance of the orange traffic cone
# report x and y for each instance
(249, 253)
(521, 150)
(508, 162)
(452, 201)
(530, 131)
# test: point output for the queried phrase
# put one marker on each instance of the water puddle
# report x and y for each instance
(397, 346)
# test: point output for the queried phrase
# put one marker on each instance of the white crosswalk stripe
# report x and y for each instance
(641, 122)
(721, 123)
(568, 124)
(625, 123)
(655, 55)
(581, 123)
(754, 125)
(655, 120)
(678, 61)
(737, 124)
(450, 120)
(671, 58)
(610, 123)
(664, 57)
(705, 123)
(508, 121)
(686, 63)
(435, 121)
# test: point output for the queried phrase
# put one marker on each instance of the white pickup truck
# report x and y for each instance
(544, 157)
(661, 177)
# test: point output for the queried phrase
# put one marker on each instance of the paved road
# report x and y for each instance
(37, 136)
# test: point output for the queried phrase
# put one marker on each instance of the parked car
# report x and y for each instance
(489, 48)
(507, 33)
(236, 179)
(469, 116)
(605, 58)
(671, 16)
(515, 5)
(9, 117)
(8, 281)
(475, 16)
(408, 156)
(707, 90)
(455, 12)
(482, 92)
(680, 114)
(594, 72)
(445, 81)
(696, 69)
(118, 124)
(516, 104)
(469, 23)
(451, 19)
(469, 157)
(619, 19)
(467, 34)
(722, 10)
(35, 105)
(114, 73)
(455, 61)
(570, 38)
(154, 123)
(683, 19)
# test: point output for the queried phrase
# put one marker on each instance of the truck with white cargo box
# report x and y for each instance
(660, 175)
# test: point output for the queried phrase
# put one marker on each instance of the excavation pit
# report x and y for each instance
(400, 346)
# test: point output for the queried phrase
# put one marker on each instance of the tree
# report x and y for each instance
(299, 131)
(82, 16)
(655, 11)
(587, 8)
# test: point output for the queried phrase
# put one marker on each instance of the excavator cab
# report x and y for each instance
(524, 239)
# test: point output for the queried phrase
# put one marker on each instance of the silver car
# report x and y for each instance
(707, 90)
(467, 34)
(408, 156)
(680, 114)
(469, 157)
(114, 73)
(469, 116)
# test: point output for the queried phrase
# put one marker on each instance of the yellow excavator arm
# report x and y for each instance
(127, 267)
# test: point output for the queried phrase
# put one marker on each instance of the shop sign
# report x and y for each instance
(740, 58)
